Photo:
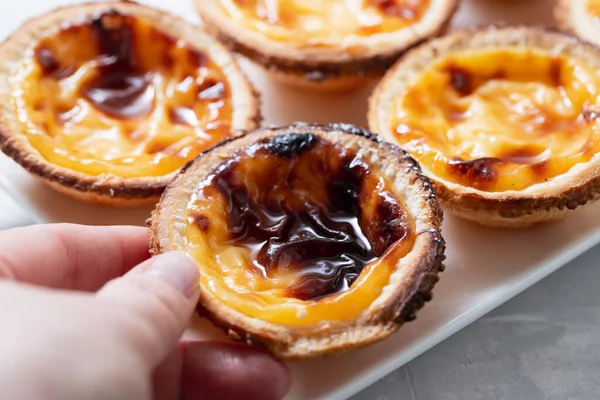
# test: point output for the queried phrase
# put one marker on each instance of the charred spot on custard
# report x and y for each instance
(479, 173)
(200, 220)
(46, 59)
(114, 36)
(461, 79)
(540, 168)
(120, 89)
(344, 190)
(120, 86)
(523, 112)
(390, 225)
(466, 82)
(555, 72)
(320, 226)
(121, 95)
(290, 145)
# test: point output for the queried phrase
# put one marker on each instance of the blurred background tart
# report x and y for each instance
(580, 17)
(107, 101)
(505, 121)
(325, 44)
(311, 239)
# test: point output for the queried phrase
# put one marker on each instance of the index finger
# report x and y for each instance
(68, 256)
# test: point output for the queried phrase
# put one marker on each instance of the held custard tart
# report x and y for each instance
(581, 17)
(107, 101)
(310, 239)
(325, 44)
(505, 121)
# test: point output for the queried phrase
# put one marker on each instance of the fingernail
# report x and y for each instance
(176, 269)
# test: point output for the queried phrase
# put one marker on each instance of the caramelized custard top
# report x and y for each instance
(593, 7)
(294, 222)
(116, 95)
(302, 20)
(500, 120)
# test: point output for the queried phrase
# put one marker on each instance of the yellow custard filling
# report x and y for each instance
(116, 96)
(302, 20)
(296, 237)
(500, 120)
(593, 7)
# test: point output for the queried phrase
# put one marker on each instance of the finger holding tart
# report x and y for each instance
(580, 17)
(505, 121)
(107, 101)
(325, 45)
(310, 239)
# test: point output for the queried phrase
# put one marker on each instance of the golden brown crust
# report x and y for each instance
(572, 16)
(544, 202)
(411, 283)
(316, 68)
(108, 189)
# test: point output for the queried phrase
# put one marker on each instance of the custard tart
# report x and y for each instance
(107, 101)
(311, 239)
(505, 121)
(325, 44)
(581, 17)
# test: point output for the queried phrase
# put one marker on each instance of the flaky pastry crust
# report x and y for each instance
(544, 202)
(343, 66)
(411, 282)
(107, 188)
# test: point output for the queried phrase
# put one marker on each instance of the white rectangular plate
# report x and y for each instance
(485, 267)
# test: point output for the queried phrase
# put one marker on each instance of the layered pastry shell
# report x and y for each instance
(329, 64)
(294, 328)
(163, 30)
(548, 199)
(579, 17)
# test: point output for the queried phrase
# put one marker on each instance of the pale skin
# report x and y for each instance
(84, 314)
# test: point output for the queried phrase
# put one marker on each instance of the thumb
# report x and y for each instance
(156, 299)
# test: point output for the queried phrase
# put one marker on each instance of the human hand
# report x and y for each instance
(70, 328)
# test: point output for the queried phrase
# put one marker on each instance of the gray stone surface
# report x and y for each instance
(543, 344)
